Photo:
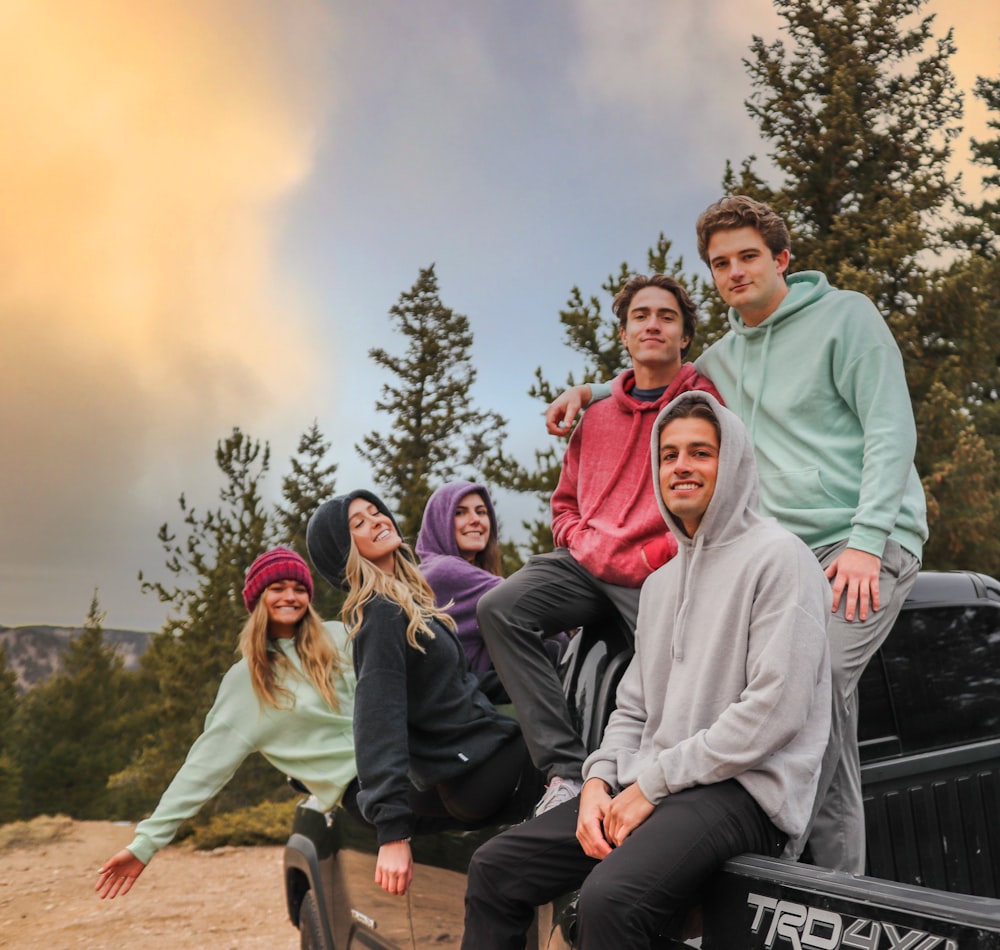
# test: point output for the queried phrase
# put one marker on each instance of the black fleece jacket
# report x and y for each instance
(418, 717)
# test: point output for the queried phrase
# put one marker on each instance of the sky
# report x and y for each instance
(208, 209)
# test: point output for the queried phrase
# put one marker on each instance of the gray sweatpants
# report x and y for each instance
(836, 835)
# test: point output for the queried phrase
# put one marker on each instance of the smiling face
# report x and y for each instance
(654, 336)
(749, 277)
(689, 467)
(472, 525)
(286, 603)
(373, 533)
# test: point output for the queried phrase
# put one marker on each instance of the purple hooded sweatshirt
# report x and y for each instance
(452, 577)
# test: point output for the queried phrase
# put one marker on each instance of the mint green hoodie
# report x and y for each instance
(820, 387)
(307, 741)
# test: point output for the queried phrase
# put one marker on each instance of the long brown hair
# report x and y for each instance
(321, 661)
(489, 558)
(405, 585)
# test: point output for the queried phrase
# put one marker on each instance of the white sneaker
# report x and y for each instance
(559, 790)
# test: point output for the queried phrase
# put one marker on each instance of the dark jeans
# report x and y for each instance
(637, 893)
(503, 788)
(551, 593)
(505, 782)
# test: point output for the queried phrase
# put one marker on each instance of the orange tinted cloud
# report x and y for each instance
(148, 148)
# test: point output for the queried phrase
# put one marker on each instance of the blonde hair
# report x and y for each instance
(321, 661)
(405, 585)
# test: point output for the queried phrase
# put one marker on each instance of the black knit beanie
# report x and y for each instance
(328, 536)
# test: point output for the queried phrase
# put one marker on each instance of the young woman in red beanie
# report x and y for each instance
(427, 740)
(290, 697)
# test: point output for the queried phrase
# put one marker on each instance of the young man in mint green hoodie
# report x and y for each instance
(817, 378)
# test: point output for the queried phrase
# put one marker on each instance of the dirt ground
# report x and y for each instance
(228, 899)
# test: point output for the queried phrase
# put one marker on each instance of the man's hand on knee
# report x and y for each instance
(594, 802)
(625, 813)
(855, 576)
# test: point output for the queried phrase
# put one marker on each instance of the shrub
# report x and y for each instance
(266, 823)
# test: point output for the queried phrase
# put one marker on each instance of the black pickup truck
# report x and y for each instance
(930, 747)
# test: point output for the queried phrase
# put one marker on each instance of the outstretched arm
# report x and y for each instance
(118, 874)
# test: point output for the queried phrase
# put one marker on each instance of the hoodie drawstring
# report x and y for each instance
(762, 378)
(690, 556)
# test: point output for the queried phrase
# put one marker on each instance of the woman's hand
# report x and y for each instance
(117, 875)
(394, 867)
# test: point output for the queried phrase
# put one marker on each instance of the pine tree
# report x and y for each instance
(859, 115)
(983, 234)
(188, 658)
(436, 432)
(957, 381)
(859, 112)
(311, 482)
(984, 275)
(10, 777)
(71, 731)
(8, 696)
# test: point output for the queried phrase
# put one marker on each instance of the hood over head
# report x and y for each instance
(328, 535)
(437, 529)
(734, 502)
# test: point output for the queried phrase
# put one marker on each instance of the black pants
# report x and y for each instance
(504, 788)
(551, 593)
(506, 781)
(631, 897)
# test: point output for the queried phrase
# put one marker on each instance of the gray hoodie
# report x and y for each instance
(731, 675)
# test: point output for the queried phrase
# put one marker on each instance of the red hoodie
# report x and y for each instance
(604, 508)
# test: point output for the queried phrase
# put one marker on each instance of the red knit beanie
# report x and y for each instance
(279, 564)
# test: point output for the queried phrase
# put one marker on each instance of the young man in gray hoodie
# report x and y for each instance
(721, 721)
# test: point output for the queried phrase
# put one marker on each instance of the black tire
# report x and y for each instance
(310, 927)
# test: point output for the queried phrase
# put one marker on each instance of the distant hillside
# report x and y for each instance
(35, 653)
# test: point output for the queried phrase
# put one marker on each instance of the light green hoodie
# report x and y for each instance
(821, 389)
(307, 741)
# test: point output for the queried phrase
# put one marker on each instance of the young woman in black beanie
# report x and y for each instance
(427, 741)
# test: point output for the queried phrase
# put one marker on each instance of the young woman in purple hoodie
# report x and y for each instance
(459, 553)
(460, 558)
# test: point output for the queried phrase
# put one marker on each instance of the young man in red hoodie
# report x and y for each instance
(608, 531)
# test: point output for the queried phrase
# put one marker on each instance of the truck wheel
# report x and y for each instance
(310, 930)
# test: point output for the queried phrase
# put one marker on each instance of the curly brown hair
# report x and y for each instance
(623, 300)
(739, 211)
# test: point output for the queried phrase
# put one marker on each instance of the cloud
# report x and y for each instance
(149, 147)
(675, 69)
(654, 57)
